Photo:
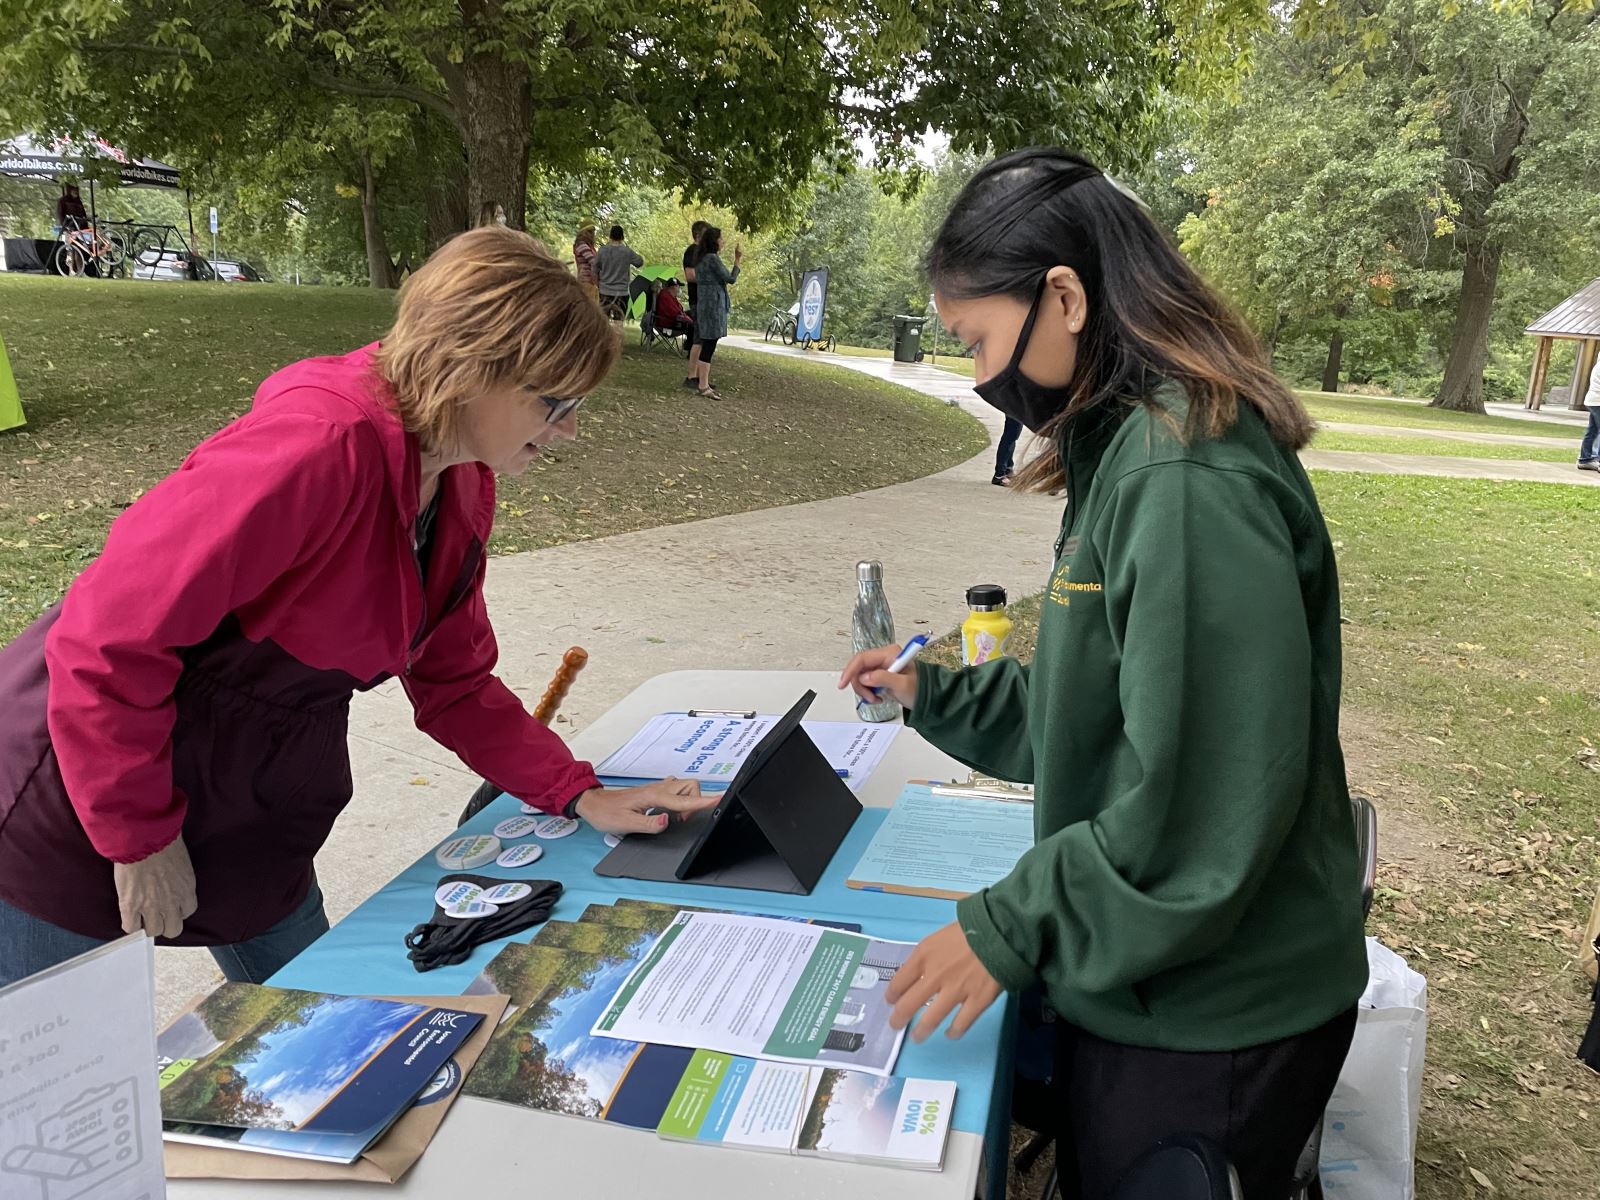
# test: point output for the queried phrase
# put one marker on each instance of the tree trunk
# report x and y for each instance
(1462, 389)
(447, 205)
(1330, 367)
(497, 112)
(380, 267)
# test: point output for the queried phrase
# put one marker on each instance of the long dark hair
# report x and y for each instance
(707, 244)
(1149, 314)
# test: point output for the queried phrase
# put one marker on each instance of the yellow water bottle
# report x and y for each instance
(987, 629)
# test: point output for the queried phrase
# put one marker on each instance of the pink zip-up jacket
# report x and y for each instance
(275, 568)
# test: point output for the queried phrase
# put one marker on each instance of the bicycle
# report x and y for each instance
(825, 343)
(782, 326)
(106, 250)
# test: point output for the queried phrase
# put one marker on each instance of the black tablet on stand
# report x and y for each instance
(774, 830)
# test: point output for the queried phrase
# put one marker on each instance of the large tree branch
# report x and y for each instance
(419, 96)
(388, 90)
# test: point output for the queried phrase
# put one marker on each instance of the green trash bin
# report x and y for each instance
(907, 338)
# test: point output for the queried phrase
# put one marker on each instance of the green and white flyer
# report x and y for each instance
(764, 988)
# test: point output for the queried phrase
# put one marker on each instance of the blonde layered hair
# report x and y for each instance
(491, 307)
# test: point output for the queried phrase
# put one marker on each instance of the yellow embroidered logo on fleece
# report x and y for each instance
(1062, 585)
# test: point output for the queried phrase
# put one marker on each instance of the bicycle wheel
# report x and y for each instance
(114, 249)
(789, 330)
(69, 259)
(771, 330)
(144, 240)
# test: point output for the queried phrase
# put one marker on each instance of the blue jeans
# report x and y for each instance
(29, 945)
(1008, 445)
(1590, 450)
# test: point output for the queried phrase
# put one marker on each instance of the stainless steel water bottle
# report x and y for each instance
(871, 626)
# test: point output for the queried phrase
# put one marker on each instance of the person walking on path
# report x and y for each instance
(1004, 464)
(1589, 449)
(690, 254)
(712, 278)
(614, 265)
(1191, 906)
(173, 752)
(584, 256)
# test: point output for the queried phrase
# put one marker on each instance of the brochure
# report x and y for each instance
(758, 1104)
(762, 988)
(545, 1055)
(305, 1074)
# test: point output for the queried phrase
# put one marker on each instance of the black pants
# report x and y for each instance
(1259, 1105)
(1003, 464)
(708, 348)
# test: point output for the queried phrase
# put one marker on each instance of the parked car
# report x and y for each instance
(237, 271)
(172, 265)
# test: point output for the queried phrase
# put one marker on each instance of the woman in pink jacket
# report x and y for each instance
(173, 753)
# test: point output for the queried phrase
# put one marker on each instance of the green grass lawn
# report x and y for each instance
(120, 380)
(1374, 443)
(1375, 410)
(1472, 684)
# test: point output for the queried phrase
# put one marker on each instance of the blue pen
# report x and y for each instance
(906, 656)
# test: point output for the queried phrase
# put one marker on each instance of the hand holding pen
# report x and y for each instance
(873, 672)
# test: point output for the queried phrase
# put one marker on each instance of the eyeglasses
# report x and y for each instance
(560, 408)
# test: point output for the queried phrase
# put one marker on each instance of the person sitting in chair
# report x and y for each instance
(671, 318)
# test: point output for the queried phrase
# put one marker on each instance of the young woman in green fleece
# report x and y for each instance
(1191, 904)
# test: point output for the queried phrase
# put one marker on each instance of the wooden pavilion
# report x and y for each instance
(1575, 319)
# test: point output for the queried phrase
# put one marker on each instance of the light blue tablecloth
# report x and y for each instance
(364, 954)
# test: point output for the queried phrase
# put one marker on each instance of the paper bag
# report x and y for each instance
(1369, 1136)
(387, 1159)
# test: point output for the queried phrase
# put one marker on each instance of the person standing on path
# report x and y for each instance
(1004, 464)
(584, 257)
(1191, 906)
(614, 265)
(173, 752)
(1589, 449)
(690, 254)
(711, 302)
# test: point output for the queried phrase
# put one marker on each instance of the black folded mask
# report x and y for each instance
(477, 909)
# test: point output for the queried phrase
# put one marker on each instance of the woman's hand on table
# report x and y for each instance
(868, 670)
(626, 810)
(944, 974)
(156, 894)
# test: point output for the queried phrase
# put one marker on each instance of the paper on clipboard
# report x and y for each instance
(711, 748)
(944, 846)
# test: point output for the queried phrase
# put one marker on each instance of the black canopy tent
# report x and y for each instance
(26, 157)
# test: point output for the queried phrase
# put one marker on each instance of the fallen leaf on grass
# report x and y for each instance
(1480, 1179)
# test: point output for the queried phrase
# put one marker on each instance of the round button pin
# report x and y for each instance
(613, 839)
(470, 910)
(466, 853)
(515, 827)
(505, 893)
(457, 892)
(555, 827)
(521, 856)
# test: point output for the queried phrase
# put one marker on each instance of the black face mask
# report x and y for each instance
(1013, 393)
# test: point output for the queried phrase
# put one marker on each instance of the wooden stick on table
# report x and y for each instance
(566, 674)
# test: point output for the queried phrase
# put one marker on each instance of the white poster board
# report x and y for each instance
(80, 1118)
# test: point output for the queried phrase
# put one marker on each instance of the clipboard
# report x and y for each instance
(775, 829)
(943, 846)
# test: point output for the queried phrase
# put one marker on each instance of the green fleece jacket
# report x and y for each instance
(1194, 883)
